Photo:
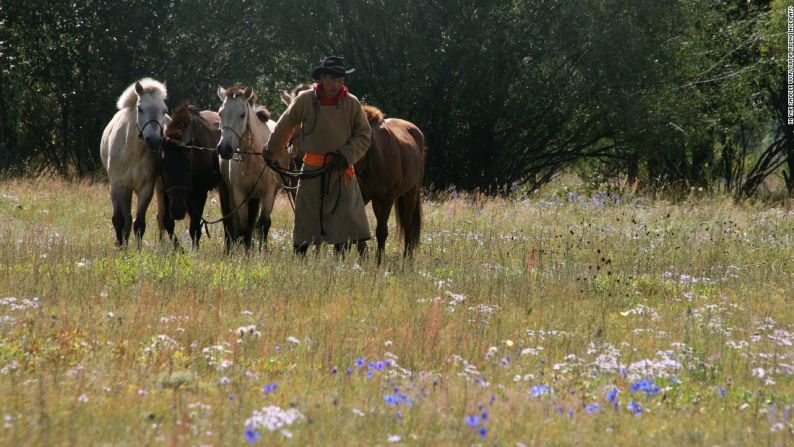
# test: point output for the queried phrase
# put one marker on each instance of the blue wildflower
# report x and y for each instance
(483, 432)
(635, 407)
(592, 408)
(370, 374)
(349, 371)
(646, 386)
(484, 416)
(360, 362)
(560, 410)
(539, 390)
(612, 395)
(505, 360)
(472, 421)
(371, 365)
(721, 391)
(391, 400)
(251, 435)
(270, 387)
(333, 370)
(570, 413)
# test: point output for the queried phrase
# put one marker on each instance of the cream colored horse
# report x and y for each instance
(252, 186)
(130, 151)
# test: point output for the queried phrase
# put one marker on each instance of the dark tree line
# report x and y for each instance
(508, 92)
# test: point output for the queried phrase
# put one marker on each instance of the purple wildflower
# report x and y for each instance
(270, 387)
(483, 432)
(251, 435)
(646, 386)
(539, 390)
(635, 407)
(721, 391)
(333, 370)
(360, 362)
(612, 395)
(592, 408)
(472, 421)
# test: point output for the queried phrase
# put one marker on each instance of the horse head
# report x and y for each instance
(151, 113)
(176, 164)
(235, 112)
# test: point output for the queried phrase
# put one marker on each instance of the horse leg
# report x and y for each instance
(164, 221)
(382, 209)
(144, 198)
(196, 210)
(122, 219)
(264, 222)
(228, 221)
(409, 219)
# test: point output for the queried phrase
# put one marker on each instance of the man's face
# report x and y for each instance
(331, 84)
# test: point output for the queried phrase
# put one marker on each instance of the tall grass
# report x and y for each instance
(522, 315)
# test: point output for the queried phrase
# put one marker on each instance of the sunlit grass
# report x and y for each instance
(582, 294)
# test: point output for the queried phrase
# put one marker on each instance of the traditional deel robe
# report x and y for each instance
(340, 126)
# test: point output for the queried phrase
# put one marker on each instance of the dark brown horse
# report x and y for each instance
(188, 172)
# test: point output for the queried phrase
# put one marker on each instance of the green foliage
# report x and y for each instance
(508, 93)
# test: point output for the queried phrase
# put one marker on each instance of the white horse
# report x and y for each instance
(252, 185)
(130, 151)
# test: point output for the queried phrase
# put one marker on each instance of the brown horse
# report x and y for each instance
(188, 172)
(391, 174)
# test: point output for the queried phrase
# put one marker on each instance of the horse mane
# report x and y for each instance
(129, 98)
(373, 114)
(263, 114)
(179, 120)
(300, 88)
(239, 90)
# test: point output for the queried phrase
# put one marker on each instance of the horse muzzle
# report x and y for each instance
(225, 150)
(153, 142)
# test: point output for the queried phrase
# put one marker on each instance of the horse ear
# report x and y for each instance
(286, 98)
(138, 88)
(221, 92)
(248, 93)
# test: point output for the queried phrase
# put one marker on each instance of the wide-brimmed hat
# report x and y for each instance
(332, 65)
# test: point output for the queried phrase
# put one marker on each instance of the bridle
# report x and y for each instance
(246, 132)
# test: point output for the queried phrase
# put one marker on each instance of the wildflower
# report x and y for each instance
(612, 395)
(721, 391)
(270, 387)
(509, 343)
(472, 421)
(251, 435)
(646, 386)
(333, 370)
(483, 431)
(82, 398)
(360, 362)
(505, 360)
(349, 371)
(370, 374)
(357, 412)
(592, 408)
(394, 438)
(224, 380)
(484, 416)
(292, 339)
(635, 407)
(539, 390)
(379, 366)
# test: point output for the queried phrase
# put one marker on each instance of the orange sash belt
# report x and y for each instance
(320, 160)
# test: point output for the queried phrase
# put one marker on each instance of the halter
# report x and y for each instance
(247, 130)
(141, 129)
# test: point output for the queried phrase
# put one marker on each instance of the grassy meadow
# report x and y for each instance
(562, 319)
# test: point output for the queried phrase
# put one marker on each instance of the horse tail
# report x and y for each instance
(409, 219)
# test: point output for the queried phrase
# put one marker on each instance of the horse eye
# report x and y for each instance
(242, 115)
(140, 110)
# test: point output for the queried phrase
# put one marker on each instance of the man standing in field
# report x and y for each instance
(332, 131)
